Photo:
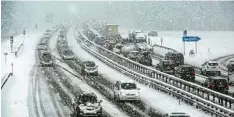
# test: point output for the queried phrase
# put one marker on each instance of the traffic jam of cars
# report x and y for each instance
(87, 104)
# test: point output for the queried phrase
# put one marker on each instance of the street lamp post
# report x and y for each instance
(5, 56)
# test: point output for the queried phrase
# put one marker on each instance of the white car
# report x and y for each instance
(117, 48)
(126, 90)
(42, 46)
(176, 114)
(210, 67)
(68, 55)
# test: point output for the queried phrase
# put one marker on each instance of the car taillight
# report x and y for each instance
(212, 85)
(193, 73)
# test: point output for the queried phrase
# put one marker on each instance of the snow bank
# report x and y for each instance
(15, 91)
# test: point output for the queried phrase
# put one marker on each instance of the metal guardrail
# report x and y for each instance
(16, 52)
(209, 100)
(166, 48)
(6, 79)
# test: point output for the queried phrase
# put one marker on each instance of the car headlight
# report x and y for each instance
(123, 94)
(137, 94)
(98, 108)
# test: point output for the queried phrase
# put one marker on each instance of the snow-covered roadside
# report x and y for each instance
(6, 48)
(213, 44)
(151, 97)
(15, 91)
(107, 105)
(209, 47)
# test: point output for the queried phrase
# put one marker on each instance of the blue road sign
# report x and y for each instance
(191, 39)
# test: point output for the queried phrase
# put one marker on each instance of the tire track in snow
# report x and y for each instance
(36, 104)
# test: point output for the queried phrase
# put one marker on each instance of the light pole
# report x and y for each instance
(161, 41)
(5, 56)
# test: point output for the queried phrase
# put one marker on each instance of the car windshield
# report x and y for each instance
(180, 56)
(128, 86)
(68, 52)
(213, 64)
(88, 98)
(118, 46)
(166, 63)
(220, 82)
(134, 53)
(47, 56)
(188, 69)
(179, 116)
(90, 64)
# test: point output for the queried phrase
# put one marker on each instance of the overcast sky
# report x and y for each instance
(156, 15)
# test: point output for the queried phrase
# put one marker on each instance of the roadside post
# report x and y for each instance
(36, 26)
(11, 42)
(12, 67)
(161, 40)
(24, 32)
(5, 56)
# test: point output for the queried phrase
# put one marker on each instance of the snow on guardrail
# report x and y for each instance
(192, 90)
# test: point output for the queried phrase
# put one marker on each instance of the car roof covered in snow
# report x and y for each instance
(127, 81)
(231, 62)
(212, 62)
(88, 61)
(186, 66)
(217, 77)
(178, 114)
(111, 24)
(140, 35)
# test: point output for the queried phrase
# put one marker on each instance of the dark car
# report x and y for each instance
(145, 59)
(165, 66)
(185, 72)
(87, 105)
(68, 55)
(176, 58)
(89, 68)
(217, 84)
(153, 33)
(230, 66)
